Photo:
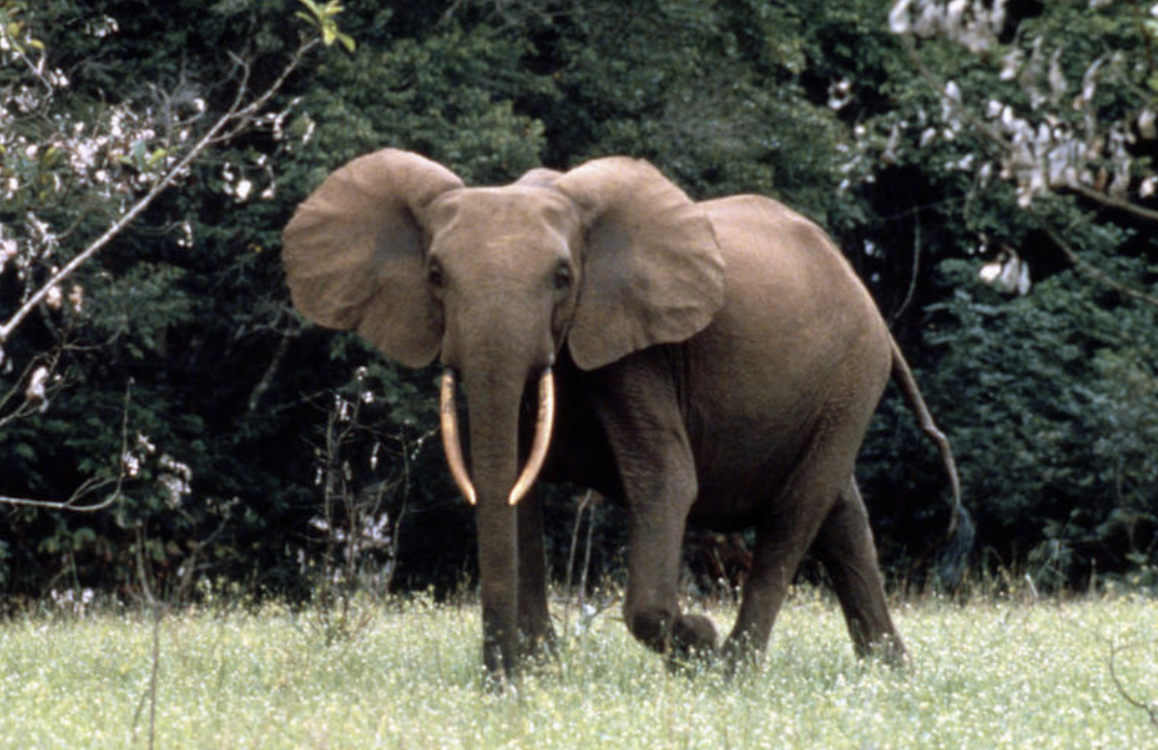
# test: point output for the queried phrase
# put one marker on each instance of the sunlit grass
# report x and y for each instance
(989, 674)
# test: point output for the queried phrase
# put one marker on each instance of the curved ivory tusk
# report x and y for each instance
(543, 425)
(451, 445)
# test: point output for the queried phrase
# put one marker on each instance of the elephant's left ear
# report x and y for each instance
(653, 272)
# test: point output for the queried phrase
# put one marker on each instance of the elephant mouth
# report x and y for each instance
(452, 444)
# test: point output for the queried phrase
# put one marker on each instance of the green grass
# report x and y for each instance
(990, 674)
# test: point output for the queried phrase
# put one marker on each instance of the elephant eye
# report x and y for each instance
(435, 277)
(563, 277)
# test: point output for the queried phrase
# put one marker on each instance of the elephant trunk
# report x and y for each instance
(494, 484)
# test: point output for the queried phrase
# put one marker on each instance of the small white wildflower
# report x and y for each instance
(54, 299)
(146, 444)
(131, 463)
(899, 17)
(1147, 128)
(1010, 65)
(175, 478)
(839, 94)
(1007, 273)
(243, 189)
(186, 238)
(35, 391)
(8, 250)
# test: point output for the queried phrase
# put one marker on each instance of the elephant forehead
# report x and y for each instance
(503, 218)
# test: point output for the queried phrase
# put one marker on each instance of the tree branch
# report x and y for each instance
(91, 484)
(236, 119)
(1090, 269)
(1111, 202)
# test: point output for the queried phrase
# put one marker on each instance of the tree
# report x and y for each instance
(85, 154)
(1029, 131)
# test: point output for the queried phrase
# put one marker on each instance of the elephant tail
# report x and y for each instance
(961, 531)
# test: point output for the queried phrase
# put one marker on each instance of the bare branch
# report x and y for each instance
(90, 485)
(915, 273)
(998, 139)
(1111, 202)
(1090, 269)
(87, 488)
(229, 125)
(1150, 708)
(263, 385)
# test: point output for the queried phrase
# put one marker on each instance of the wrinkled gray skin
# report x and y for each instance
(717, 363)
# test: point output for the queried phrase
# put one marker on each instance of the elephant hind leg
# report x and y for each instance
(787, 530)
(846, 549)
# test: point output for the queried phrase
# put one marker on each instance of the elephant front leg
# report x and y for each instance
(535, 631)
(651, 610)
(657, 473)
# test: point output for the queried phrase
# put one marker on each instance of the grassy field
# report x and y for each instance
(990, 674)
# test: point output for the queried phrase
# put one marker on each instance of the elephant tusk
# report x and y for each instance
(451, 445)
(543, 425)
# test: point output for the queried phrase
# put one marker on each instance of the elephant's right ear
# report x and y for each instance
(354, 253)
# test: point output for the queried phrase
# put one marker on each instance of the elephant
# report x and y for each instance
(714, 363)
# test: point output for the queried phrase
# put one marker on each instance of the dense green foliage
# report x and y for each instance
(225, 434)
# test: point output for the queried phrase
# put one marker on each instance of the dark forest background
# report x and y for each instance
(986, 166)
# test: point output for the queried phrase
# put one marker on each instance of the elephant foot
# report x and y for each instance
(693, 644)
(680, 637)
(739, 655)
(538, 645)
(694, 635)
(888, 649)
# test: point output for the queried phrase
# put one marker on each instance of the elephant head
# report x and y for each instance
(605, 259)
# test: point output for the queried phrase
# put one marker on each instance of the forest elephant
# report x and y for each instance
(714, 363)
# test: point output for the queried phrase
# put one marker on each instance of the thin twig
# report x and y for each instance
(571, 557)
(155, 607)
(274, 364)
(1151, 708)
(242, 117)
(1089, 193)
(1111, 202)
(1090, 269)
(89, 486)
(916, 270)
(92, 484)
(586, 559)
